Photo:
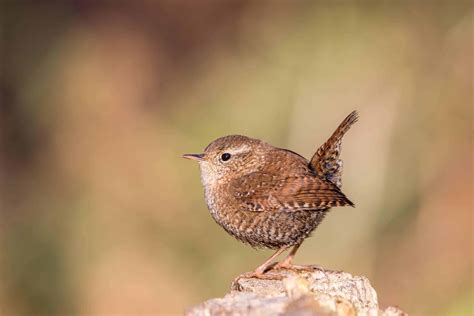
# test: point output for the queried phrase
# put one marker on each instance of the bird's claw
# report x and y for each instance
(254, 275)
(294, 267)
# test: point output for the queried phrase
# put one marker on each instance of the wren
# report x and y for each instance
(270, 197)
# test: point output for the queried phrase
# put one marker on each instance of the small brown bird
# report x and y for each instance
(271, 197)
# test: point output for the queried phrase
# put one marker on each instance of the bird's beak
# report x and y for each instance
(197, 157)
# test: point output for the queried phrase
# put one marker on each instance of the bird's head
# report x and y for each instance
(230, 157)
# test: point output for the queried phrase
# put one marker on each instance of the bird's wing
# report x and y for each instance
(326, 162)
(265, 192)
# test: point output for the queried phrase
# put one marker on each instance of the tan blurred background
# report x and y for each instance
(99, 215)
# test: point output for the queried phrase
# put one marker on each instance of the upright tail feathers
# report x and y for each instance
(325, 161)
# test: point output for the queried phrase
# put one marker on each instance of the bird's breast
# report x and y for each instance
(220, 205)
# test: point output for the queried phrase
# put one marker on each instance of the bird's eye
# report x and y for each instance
(225, 156)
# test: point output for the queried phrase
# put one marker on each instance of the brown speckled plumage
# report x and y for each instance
(271, 197)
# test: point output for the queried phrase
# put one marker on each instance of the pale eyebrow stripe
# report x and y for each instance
(239, 150)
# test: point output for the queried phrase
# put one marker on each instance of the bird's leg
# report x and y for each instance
(264, 266)
(287, 262)
(259, 273)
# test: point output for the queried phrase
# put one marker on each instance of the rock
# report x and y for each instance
(313, 291)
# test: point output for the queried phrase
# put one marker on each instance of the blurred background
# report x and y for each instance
(99, 215)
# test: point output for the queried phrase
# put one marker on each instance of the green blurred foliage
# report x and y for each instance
(100, 216)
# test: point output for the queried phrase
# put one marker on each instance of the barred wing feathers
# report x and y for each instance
(264, 192)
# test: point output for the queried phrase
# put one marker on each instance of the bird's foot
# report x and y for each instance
(254, 275)
(285, 265)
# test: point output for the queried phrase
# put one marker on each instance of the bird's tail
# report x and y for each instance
(325, 161)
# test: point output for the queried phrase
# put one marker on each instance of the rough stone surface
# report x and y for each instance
(314, 291)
